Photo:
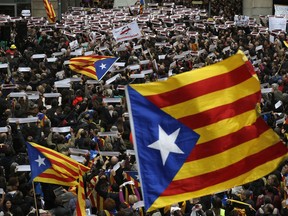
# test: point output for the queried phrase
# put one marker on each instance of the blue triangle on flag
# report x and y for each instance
(103, 66)
(148, 120)
(38, 162)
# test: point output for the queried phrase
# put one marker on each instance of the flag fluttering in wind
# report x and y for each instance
(92, 66)
(199, 133)
(49, 166)
(51, 15)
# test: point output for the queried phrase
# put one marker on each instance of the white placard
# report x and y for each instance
(278, 104)
(61, 129)
(3, 66)
(23, 168)
(109, 153)
(51, 95)
(130, 152)
(88, 53)
(76, 151)
(55, 54)
(259, 48)
(136, 76)
(137, 47)
(62, 84)
(114, 133)
(281, 9)
(280, 121)
(38, 56)
(277, 23)
(77, 158)
(17, 94)
(24, 69)
(92, 82)
(33, 97)
(161, 57)
(134, 67)
(119, 64)
(127, 32)
(226, 49)
(146, 71)
(138, 204)
(144, 62)
(51, 60)
(23, 120)
(112, 79)
(116, 166)
(3, 129)
(74, 45)
(112, 100)
(67, 62)
(266, 90)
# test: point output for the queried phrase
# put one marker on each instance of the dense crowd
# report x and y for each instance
(175, 39)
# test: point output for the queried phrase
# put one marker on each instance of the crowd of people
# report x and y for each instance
(176, 38)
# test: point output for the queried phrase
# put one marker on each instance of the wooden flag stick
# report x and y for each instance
(35, 200)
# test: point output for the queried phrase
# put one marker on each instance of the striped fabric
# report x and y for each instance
(142, 3)
(92, 66)
(132, 176)
(218, 103)
(50, 166)
(80, 205)
(50, 11)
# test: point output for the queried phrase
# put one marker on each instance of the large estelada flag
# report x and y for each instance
(92, 66)
(199, 132)
(49, 11)
(127, 32)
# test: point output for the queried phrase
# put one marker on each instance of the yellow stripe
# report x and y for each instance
(226, 158)
(250, 176)
(84, 72)
(54, 181)
(234, 124)
(219, 98)
(181, 80)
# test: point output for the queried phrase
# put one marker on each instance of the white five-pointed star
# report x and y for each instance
(166, 144)
(103, 66)
(40, 161)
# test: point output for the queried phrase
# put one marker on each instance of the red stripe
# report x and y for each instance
(87, 59)
(232, 171)
(221, 112)
(85, 68)
(62, 157)
(229, 141)
(57, 178)
(197, 89)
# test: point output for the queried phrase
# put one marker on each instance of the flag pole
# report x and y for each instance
(35, 200)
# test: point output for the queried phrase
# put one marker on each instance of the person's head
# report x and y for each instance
(7, 205)
(284, 169)
(272, 180)
(114, 160)
(245, 194)
(109, 204)
(132, 198)
(217, 202)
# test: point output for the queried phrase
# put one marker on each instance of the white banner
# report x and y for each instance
(281, 9)
(127, 32)
(277, 23)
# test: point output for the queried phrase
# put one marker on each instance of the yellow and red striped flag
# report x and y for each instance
(80, 205)
(51, 15)
(205, 134)
(49, 166)
(142, 4)
(92, 66)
